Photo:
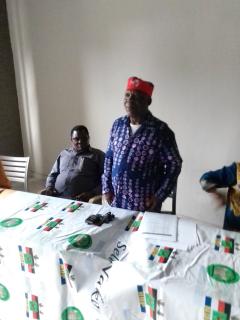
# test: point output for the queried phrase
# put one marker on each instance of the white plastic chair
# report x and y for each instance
(16, 169)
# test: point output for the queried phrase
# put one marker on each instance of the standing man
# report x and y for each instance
(76, 173)
(142, 162)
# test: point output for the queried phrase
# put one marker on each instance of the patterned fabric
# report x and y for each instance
(234, 194)
(227, 177)
(140, 165)
(4, 182)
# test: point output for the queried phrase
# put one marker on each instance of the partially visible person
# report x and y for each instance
(142, 162)
(4, 182)
(76, 174)
(227, 177)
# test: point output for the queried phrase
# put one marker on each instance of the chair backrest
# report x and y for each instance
(16, 169)
(173, 199)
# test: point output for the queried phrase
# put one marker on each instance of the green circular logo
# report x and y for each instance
(71, 313)
(81, 241)
(222, 273)
(4, 294)
(11, 222)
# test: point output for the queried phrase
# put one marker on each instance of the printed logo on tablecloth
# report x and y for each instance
(149, 303)
(72, 313)
(11, 222)
(4, 293)
(65, 270)
(28, 260)
(216, 309)
(222, 273)
(160, 254)
(226, 245)
(37, 206)
(33, 306)
(50, 224)
(134, 222)
(80, 241)
(73, 206)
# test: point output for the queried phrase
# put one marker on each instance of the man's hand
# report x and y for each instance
(219, 198)
(151, 203)
(49, 192)
(107, 198)
(84, 196)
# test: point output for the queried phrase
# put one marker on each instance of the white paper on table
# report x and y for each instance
(187, 231)
(160, 226)
(186, 236)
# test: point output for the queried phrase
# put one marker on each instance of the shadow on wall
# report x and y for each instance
(10, 131)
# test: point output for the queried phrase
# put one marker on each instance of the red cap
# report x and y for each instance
(135, 83)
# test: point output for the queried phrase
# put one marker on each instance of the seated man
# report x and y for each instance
(76, 174)
(4, 182)
(227, 177)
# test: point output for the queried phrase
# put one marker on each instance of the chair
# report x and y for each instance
(173, 199)
(16, 169)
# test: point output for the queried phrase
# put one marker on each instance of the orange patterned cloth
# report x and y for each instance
(4, 182)
(234, 194)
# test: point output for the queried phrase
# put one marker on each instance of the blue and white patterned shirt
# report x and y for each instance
(138, 166)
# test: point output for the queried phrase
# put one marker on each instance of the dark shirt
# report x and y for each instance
(74, 173)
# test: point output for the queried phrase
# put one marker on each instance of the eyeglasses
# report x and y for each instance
(134, 94)
(81, 138)
(76, 139)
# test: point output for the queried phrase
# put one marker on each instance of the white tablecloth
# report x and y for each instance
(55, 266)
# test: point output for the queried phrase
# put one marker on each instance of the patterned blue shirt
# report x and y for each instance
(140, 165)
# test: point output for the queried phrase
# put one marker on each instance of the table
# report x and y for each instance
(55, 266)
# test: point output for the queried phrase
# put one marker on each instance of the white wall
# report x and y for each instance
(72, 60)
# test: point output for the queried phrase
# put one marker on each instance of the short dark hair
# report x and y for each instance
(79, 128)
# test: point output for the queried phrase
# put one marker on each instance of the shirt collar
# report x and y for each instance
(146, 121)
